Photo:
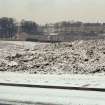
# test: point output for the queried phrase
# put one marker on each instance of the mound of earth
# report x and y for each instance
(77, 57)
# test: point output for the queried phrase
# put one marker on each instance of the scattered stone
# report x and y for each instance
(77, 57)
(12, 63)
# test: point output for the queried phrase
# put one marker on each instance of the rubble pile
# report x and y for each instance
(77, 57)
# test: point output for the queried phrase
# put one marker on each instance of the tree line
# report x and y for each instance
(9, 27)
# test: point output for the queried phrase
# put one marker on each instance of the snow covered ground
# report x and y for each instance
(52, 96)
(77, 57)
(78, 63)
(56, 97)
(94, 81)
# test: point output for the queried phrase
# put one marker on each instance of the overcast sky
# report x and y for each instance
(43, 11)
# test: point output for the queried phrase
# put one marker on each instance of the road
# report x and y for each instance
(13, 95)
(54, 96)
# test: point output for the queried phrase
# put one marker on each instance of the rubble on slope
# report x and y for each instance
(75, 57)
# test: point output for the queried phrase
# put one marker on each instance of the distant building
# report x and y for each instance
(49, 29)
(92, 27)
(76, 27)
(104, 27)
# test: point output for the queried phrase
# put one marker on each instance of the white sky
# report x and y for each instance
(43, 11)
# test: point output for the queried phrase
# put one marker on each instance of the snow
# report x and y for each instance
(54, 96)
(93, 81)
(78, 63)
(60, 97)
(77, 57)
(12, 63)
